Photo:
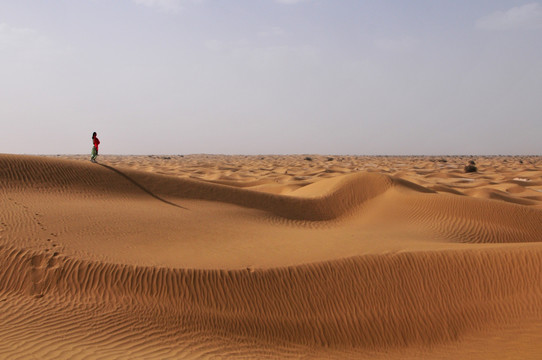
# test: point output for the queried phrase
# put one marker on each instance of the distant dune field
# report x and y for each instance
(270, 257)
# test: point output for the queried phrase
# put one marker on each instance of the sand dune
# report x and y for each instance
(270, 257)
(294, 171)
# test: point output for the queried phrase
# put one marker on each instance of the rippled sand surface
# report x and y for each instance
(209, 256)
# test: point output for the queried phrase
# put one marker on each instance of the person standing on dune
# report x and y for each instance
(94, 152)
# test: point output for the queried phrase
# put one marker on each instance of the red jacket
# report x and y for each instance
(96, 142)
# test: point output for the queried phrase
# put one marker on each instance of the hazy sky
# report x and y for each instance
(271, 76)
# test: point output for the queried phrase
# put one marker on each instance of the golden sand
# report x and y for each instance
(208, 256)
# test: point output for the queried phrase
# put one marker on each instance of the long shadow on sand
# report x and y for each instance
(141, 186)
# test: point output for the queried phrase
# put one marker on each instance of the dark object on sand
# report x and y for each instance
(471, 167)
(308, 158)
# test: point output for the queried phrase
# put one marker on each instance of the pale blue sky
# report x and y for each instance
(271, 77)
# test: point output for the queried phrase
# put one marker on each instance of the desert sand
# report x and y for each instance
(270, 257)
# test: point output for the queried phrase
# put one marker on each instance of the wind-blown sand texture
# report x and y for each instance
(207, 256)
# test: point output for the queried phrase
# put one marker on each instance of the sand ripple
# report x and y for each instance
(115, 262)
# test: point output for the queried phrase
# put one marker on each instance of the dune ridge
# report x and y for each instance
(519, 177)
(337, 198)
(397, 267)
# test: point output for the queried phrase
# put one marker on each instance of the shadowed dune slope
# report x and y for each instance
(105, 262)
